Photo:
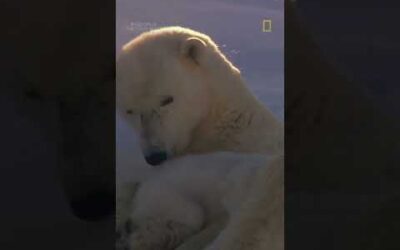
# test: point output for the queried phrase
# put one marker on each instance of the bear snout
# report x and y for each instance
(156, 158)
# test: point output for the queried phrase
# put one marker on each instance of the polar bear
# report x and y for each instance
(258, 223)
(194, 191)
(183, 96)
(189, 193)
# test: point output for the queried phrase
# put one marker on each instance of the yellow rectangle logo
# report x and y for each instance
(267, 25)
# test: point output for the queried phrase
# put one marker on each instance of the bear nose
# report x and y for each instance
(156, 158)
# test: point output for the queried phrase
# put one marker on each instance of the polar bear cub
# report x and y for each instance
(188, 194)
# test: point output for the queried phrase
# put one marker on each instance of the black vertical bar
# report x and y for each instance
(58, 147)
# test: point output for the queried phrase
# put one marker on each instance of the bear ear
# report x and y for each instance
(193, 49)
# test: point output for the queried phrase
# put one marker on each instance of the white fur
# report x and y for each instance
(258, 224)
(212, 111)
(192, 192)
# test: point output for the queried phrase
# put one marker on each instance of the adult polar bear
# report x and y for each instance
(184, 97)
(190, 98)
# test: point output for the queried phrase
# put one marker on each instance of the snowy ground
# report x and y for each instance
(235, 26)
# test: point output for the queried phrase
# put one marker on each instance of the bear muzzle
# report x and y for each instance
(155, 158)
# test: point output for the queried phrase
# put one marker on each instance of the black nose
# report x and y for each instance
(156, 158)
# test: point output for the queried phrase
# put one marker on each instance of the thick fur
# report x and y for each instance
(191, 193)
(212, 110)
(259, 222)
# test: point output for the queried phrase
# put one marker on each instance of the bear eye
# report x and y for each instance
(166, 101)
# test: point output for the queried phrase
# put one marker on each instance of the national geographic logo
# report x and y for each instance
(266, 25)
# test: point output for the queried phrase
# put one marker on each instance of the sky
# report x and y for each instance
(236, 26)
